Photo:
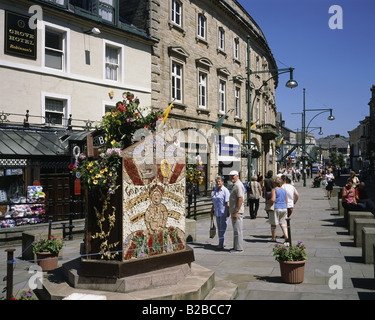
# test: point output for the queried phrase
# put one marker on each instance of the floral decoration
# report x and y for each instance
(194, 172)
(283, 252)
(52, 245)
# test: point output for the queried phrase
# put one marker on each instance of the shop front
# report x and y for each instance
(34, 176)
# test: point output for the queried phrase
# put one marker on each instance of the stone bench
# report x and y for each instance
(190, 230)
(29, 236)
(358, 225)
(340, 207)
(368, 243)
(357, 215)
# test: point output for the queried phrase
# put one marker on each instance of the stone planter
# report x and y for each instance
(292, 271)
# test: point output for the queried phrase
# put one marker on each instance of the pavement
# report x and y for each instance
(315, 221)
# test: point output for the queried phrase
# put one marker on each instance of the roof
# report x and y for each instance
(35, 143)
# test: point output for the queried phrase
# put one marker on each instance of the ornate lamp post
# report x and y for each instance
(331, 117)
(291, 83)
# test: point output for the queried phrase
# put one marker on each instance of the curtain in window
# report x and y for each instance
(106, 9)
(111, 66)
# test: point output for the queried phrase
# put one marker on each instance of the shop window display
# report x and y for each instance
(15, 208)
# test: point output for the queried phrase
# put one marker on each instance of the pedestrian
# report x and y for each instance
(279, 199)
(236, 210)
(329, 182)
(254, 191)
(354, 179)
(363, 199)
(292, 193)
(220, 208)
(267, 187)
(349, 200)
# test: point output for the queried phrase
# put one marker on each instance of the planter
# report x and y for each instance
(292, 271)
(47, 260)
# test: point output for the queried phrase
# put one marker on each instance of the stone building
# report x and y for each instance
(371, 145)
(200, 62)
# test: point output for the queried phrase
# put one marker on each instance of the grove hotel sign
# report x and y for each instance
(19, 38)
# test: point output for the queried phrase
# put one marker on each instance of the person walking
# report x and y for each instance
(267, 187)
(354, 179)
(236, 210)
(220, 208)
(329, 179)
(291, 192)
(279, 199)
(254, 190)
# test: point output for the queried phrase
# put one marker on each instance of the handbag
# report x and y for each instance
(212, 228)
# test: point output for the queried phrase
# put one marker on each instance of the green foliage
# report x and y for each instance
(282, 252)
(51, 244)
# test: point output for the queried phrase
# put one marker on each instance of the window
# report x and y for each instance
(237, 106)
(257, 64)
(222, 86)
(177, 82)
(221, 39)
(107, 10)
(202, 94)
(112, 62)
(176, 12)
(54, 111)
(257, 111)
(236, 48)
(54, 47)
(202, 26)
(265, 113)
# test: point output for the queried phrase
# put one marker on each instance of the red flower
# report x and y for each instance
(70, 167)
(130, 96)
(121, 107)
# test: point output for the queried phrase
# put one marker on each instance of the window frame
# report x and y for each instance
(221, 38)
(236, 48)
(66, 105)
(174, 81)
(202, 26)
(175, 14)
(200, 87)
(222, 95)
(65, 59)
(120, 60)
(237, 101)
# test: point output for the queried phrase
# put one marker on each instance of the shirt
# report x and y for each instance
(290, 192)
(280, 199)
(254, 190)
(238, 191)
(220, 199)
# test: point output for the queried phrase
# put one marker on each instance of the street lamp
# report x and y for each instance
(330, 117)
(290, 84)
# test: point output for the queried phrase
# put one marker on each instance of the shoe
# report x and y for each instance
(235, 251)
(273, 240)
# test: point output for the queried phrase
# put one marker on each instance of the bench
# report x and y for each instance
(340, 207)
(29, 236)
(368, 243)
(358, 225)
(190, 230)
(357, 215)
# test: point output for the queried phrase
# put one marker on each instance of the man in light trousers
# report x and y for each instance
(236, 210)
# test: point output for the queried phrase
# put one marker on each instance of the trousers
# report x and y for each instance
(222, 223)
(237, 232)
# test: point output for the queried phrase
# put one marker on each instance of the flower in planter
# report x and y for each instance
(52, 245)
(283, 252)
(27, 295)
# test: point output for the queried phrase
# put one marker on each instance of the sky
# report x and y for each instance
(335, 66)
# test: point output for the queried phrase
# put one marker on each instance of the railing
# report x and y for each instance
(198, 203)
(46, 121)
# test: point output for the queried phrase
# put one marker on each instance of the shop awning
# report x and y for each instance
(29, 143)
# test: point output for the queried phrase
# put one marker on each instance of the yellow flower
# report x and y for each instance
(90, 165)
(113, 142)
(104, 181)
(95, 182)
(98, 175)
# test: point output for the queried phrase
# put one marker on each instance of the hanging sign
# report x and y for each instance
(19, 38)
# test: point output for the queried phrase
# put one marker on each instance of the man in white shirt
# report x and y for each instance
(236, 210)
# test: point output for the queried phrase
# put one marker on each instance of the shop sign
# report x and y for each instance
(19, 38)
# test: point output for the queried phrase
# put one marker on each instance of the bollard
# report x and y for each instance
(289, 231)
(10, 273)
(49, 228)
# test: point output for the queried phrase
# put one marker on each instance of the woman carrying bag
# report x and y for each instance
(220, 208)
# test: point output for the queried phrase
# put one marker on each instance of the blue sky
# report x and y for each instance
(337, 67)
